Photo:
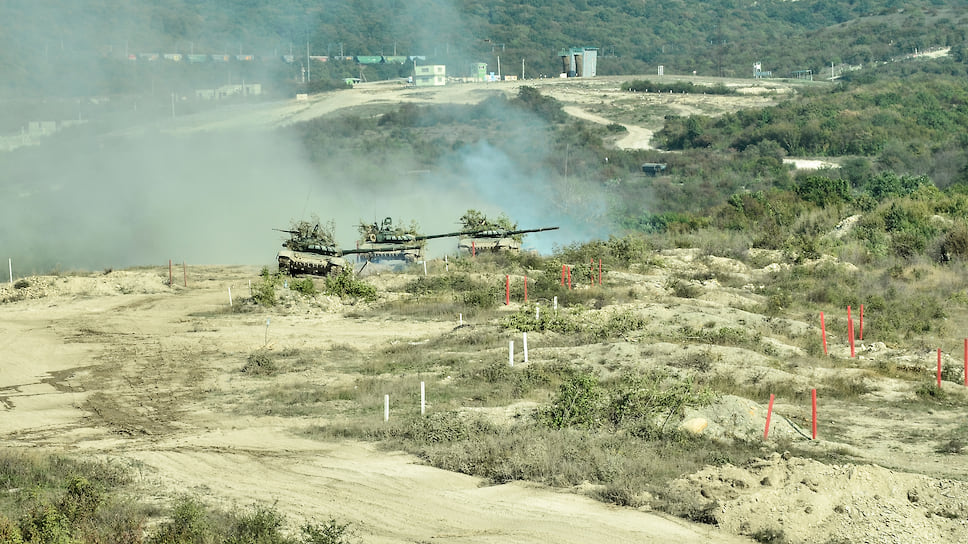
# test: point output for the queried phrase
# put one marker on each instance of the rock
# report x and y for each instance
(695, 425)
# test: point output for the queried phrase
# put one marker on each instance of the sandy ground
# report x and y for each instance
(121, 366)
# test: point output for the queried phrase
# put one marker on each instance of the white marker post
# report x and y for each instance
(250, 288)
(460, 319)
(537, 312)
(425, 268)
(556, 305)
(446, 264)
(423, 398)
(511, 353)
(525, 347)
(230, 295)
(10, 264)
(386, 408)
(267, 332)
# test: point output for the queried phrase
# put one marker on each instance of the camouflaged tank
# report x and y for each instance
(311, 249)
(386, 242)
(480, 235)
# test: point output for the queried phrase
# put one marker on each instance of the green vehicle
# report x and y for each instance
(387, 242)
(311, 249)
(479, 234)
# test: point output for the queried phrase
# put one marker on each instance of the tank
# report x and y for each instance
(311, 249)
(479, 234)
(386, 242)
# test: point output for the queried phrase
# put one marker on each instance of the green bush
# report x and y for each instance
(578, 403)
(636, 399)
(263, 525)
(264, 292)
(189, 524)
(346, 284)
(304, 286)
(45, 523)
(823, 191)
(9, 533)
(462, 287)
(331, 532)
(82, 500)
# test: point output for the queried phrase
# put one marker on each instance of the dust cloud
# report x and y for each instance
(124, 187)
(94, 202)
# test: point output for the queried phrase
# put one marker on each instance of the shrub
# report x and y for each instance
(45, 523)
(82, 499)
(931, 393)
(189, 524)
(331, 532)
(578, 403)
(823, 191)
(261, 526)
(260, 363)
(345, 284)
(9, 533)
(638, 399)
(954, 245)
(21, 284)
(304, 286)
(264, 292)
(683, 288)
(442, 427)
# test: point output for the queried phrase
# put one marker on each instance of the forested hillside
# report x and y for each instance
(56, 49)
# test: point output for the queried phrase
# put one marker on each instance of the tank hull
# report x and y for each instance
(477, 245)
(295, 263)
(389, 252)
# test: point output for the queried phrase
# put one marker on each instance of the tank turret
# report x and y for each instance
(311, 249)
(479, 234)
(384, 241)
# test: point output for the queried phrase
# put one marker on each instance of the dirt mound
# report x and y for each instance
(787, 499)
(94, 284)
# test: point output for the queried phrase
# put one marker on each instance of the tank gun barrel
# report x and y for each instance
(432, 236)
(503, 232)
(525, 231)
(385, 247)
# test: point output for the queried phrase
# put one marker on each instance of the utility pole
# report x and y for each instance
(499, 67)
(309, 74)
(522, 69)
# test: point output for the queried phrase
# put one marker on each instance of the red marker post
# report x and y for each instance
(473, 249)
(169, 273)
(185, 268)
(769, 412)
(813, 401)
(823, 334)
(507, 290)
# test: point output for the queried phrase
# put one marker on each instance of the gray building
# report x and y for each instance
(579, 61)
